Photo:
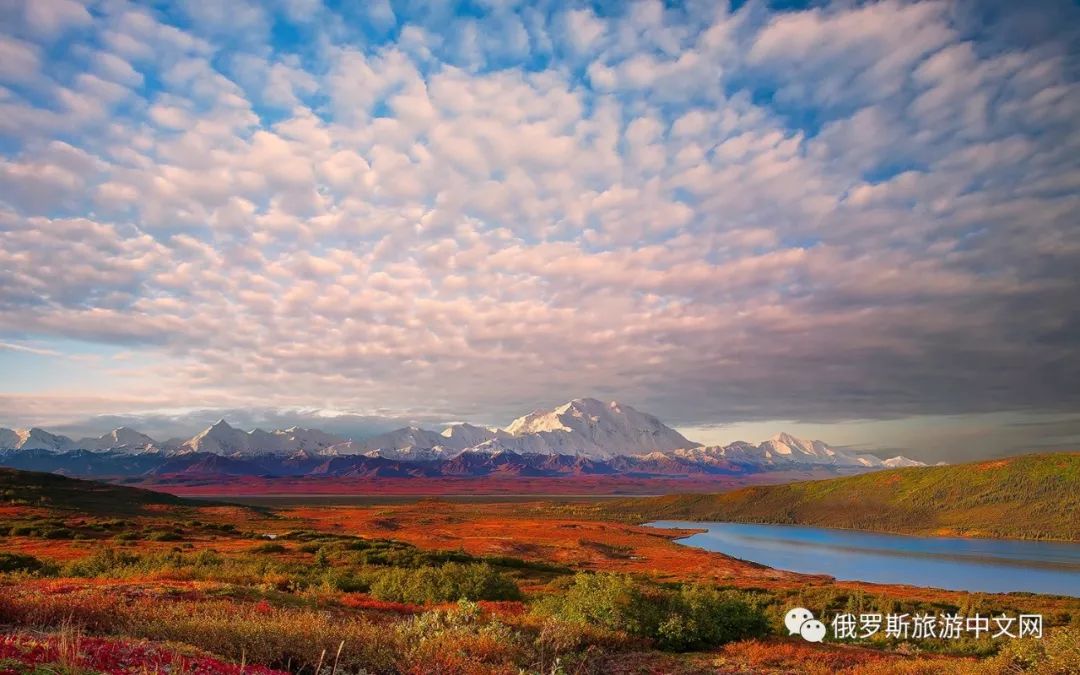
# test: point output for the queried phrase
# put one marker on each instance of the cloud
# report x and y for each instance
(28, 349)
(19, 60)
(50, 18)
(583, 29)
(844, 211)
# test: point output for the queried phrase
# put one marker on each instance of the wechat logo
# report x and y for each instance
(801, 621)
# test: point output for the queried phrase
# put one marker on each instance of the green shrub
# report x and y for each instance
(614, 601)
(105, 561)
(165, 536)
(691, 617)
(57, 533)
(346, 581)
(447, 583)
(699, 617)
(18, 562)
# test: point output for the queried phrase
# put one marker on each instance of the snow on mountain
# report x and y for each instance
(786, 451)
(223, 439)
(900, 461)
(34, 439)
(400, 439)
(785, 448)
(219, 438)
(420, 445)
(121, 438)
(582, 428)
(296, 439)
(9, 439)
(586, 426)
(465, 435)
(415, 453)
(408, 443)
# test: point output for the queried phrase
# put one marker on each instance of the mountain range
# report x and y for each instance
(583, 436)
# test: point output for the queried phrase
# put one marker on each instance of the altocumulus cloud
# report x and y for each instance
(859, 210)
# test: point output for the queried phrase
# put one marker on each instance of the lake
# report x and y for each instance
(987, 565)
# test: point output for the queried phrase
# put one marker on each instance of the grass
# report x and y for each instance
(1025, 497)
(573, 596)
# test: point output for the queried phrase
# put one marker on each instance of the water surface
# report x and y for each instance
(987, 565)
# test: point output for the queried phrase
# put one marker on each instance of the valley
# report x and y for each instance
(374, 588)
(480, 550)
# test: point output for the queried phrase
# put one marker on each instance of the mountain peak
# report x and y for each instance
(36, 438)
(788, 439)
(120, 437)
(587, 426)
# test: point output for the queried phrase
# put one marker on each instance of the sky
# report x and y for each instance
(856, 221)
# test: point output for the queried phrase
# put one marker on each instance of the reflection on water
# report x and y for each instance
(988, 565)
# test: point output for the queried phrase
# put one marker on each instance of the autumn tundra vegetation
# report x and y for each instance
(102, 579)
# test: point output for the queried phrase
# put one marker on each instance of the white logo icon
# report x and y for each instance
(801, 621)
(795, 618)
(812, 630)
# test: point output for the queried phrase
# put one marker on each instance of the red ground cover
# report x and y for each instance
(223, 486)
(110, 656)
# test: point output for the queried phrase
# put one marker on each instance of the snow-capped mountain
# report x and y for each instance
(900, 462)
(402, 439)
(590, 428)
(121, 438)
(466, 435)
(34, 439)
(298, 439)
(408, 443)
(584, 428)
(786, 451)
(222, 439)
(8, 438)
(219, 438)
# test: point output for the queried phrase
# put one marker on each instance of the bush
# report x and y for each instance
(458, 640)
(18, 562)
(269, 547)
(700, 617)
(58, 533)
(1057, 653)
(104, 562)
(448, 583)
(614, 601)
(165, 536)
(692, 617)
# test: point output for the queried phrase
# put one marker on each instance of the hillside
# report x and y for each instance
(1025, 497)
(50, 490)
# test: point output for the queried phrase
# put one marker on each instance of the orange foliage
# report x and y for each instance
(364, 601)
